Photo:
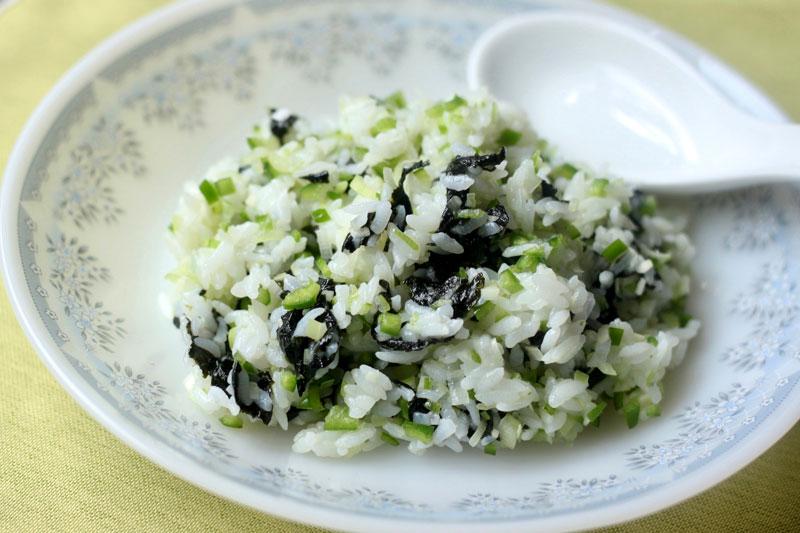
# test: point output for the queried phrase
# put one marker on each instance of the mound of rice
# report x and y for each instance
(426, 275)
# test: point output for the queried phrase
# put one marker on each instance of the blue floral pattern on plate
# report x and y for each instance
(98, 150)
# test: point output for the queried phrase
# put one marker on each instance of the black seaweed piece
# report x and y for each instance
(216, 367)
(462, 293)
(636, 203)
(498, 215)
(537, 339)
(176, 322)
(609, 312)
(280, 128)
(426, 292)
(322, 352)
(595, 376)
(243, 168)
(460, 164)
(417, 405)
(399, 345)
(318, 177)
(548, 191)
(325, 284)
(401, 204)
(467, 295)
(263, 382)
(385, 286)
(479, 250)
(352, 243)
(472, 428)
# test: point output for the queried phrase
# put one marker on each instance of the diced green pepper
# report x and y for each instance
(564, 171)
(390, 324)
(631, 411)
(231, 421)
(509, 282)
(395, 100)
(310, 400)
(615, 334)
(649, 206)
(384, 124)
(339, 419)
(225, 186)
(619, 400)
(509, 137)
(385, 437)
(322, 266)
(264, 296)
(490, 449)
(406, 239)
(302, 298)
(313, 192)
(614, 250)
(599, 187)
(209, 191)
(288, 381)
(420, 432)
(439, 109)
(320, 215)
(483, 310)
(594, 414)
(402, 403)
(529, 261)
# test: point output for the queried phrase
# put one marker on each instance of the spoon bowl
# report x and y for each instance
(620, 101)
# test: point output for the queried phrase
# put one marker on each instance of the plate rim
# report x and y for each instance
(139, 32)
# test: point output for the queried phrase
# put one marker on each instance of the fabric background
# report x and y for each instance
(61, 471)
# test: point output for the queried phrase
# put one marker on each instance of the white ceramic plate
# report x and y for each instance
(94, 177)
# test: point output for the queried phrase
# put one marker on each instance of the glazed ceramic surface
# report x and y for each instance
(93, 180)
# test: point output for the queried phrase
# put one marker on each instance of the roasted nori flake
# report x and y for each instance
(401, 204)
(595, 376)
(460, 164)
(318, 177)
(537, 339)
(548, 191)
(263, 381)
(322, 352)
(280, 128)
(462, 293)
(353, 242)
(467, 295)
(426, 292)
(479, 250)
(417, 405)
(215, 367)
(499, 216)
(399, 345)
(243, 168)
(176, 322)
(636, 203)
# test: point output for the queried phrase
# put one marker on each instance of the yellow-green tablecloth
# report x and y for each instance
(61, 471)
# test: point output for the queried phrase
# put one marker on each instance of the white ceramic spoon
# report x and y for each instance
(622, 102)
